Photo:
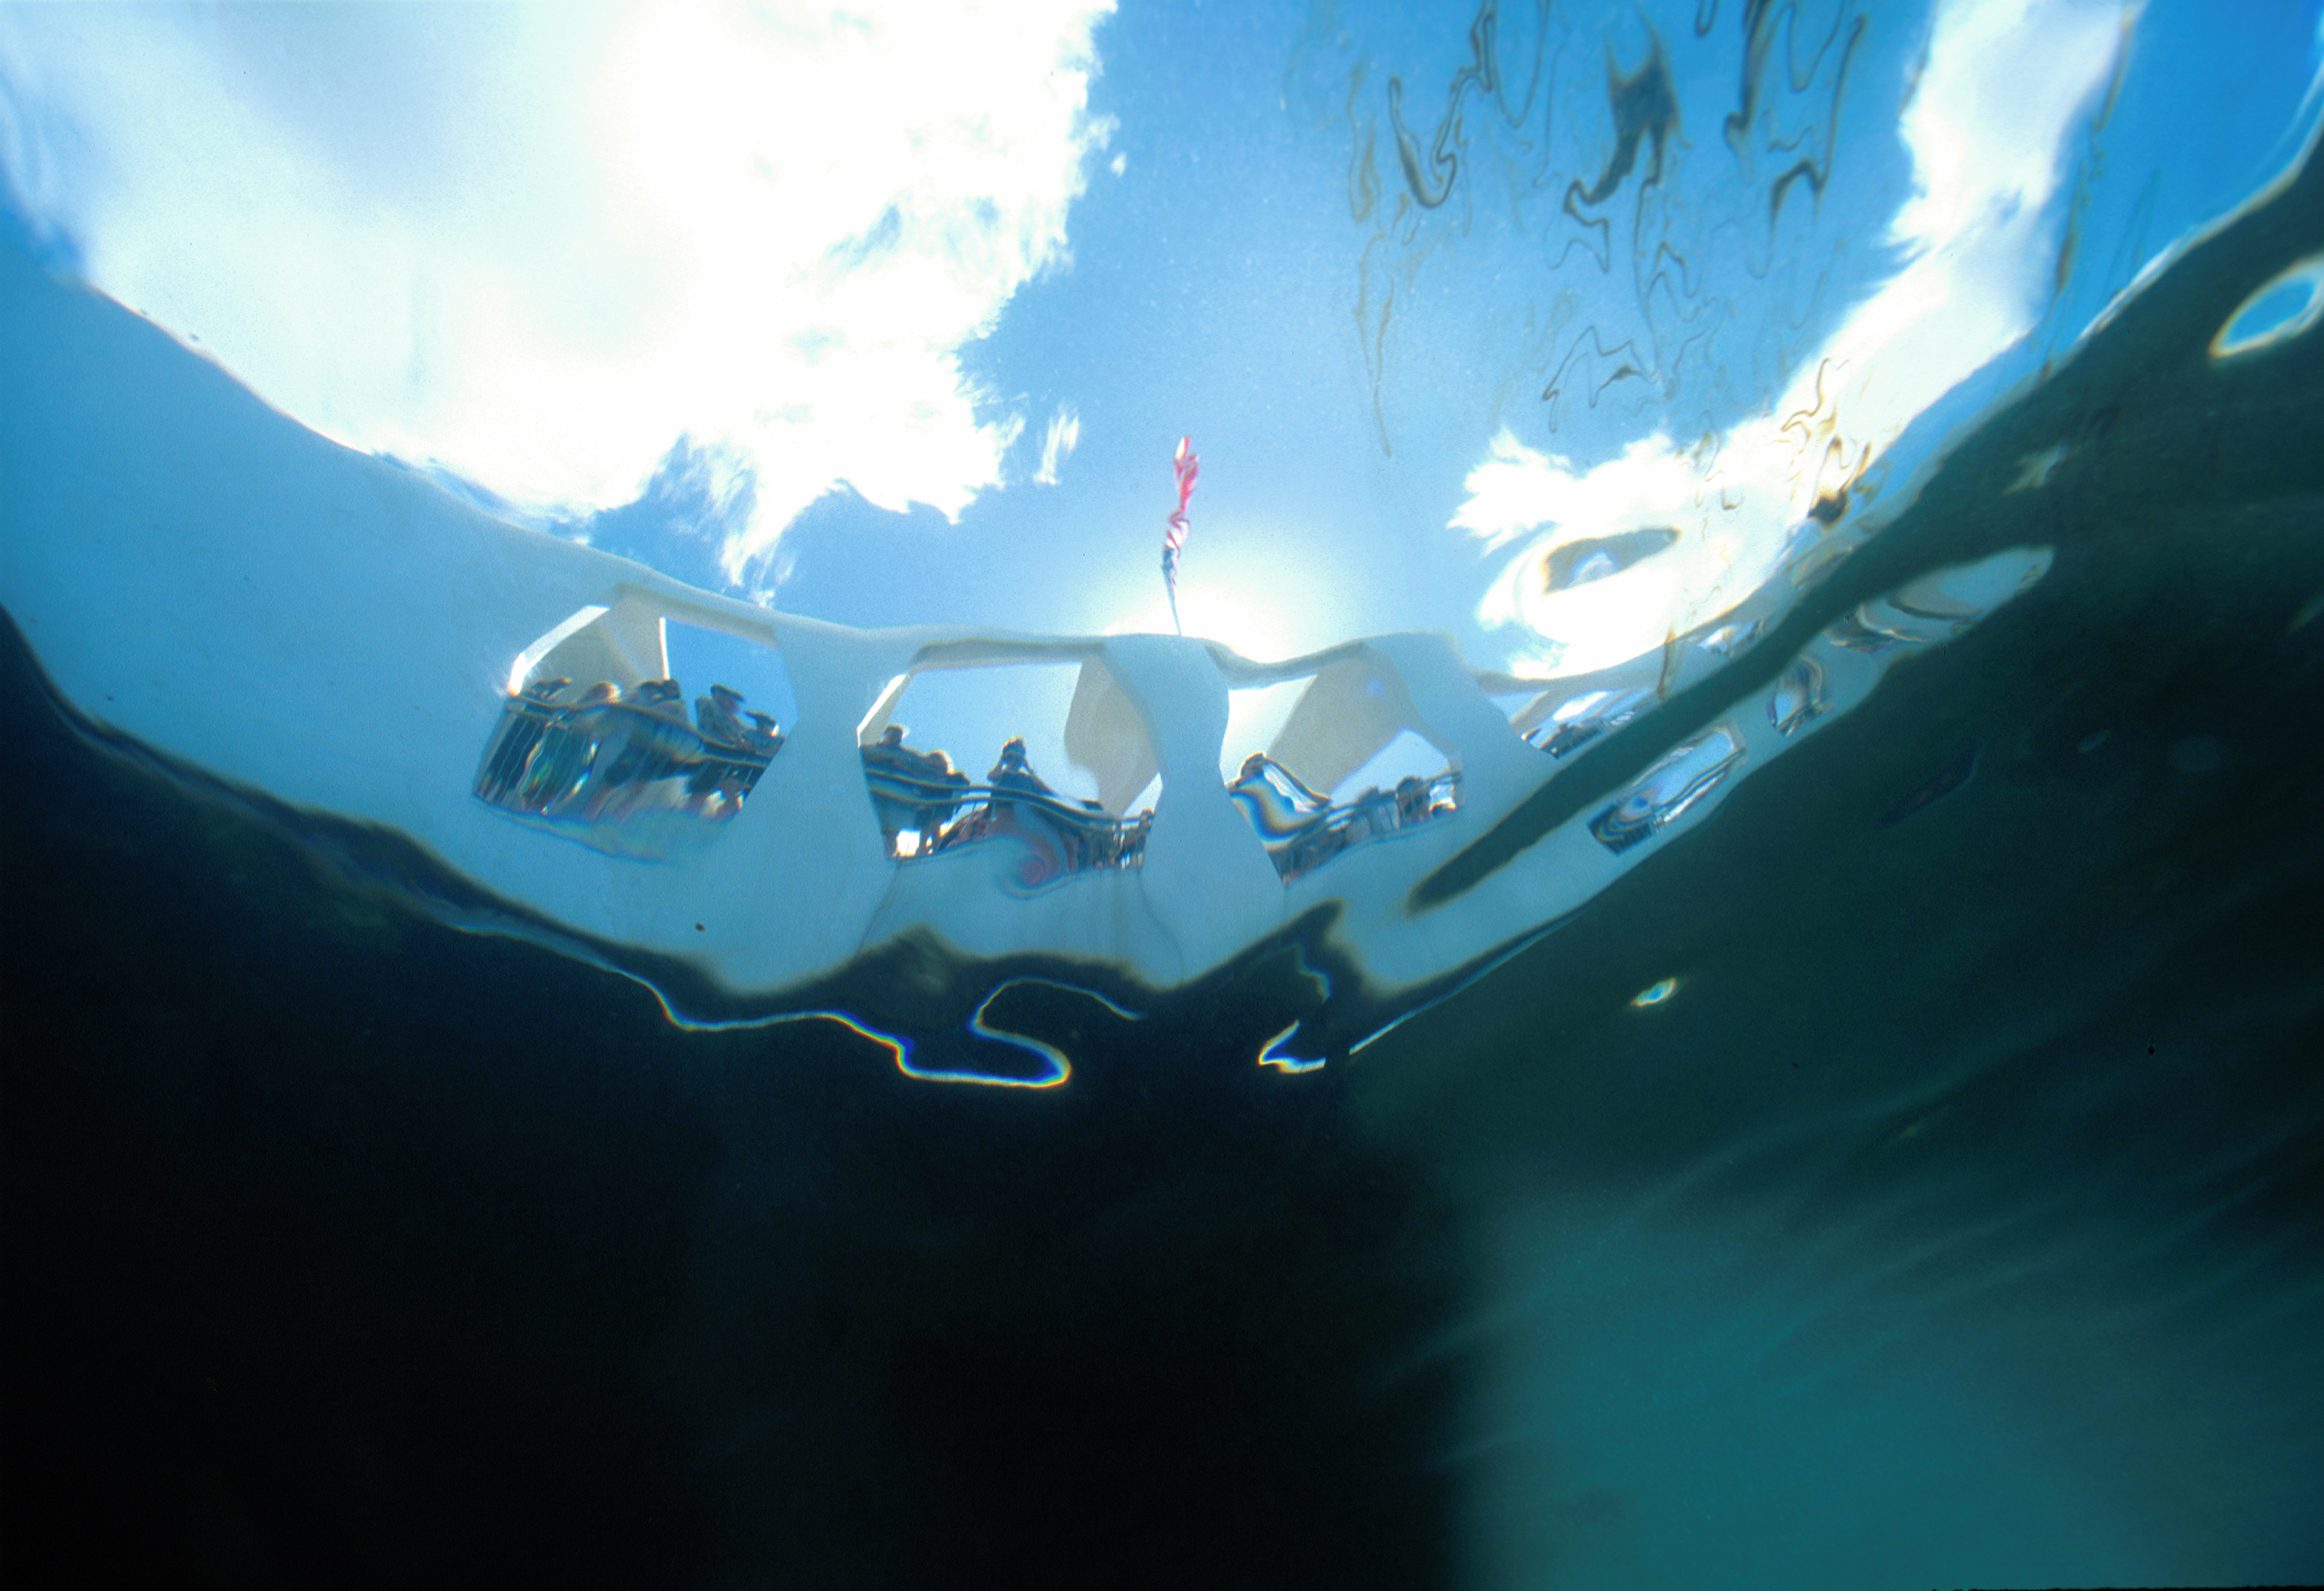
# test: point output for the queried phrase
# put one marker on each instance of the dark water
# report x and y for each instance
(1960, 1217)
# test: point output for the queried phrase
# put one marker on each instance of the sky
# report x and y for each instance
(895, 314)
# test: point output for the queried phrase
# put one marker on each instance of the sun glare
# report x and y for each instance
(1236, 619)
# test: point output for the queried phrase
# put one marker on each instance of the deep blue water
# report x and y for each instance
(1956, 1221)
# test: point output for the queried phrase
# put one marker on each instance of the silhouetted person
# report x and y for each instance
(916, 790)
(1044, 820)
(723, 770)
(716, 717)
(1412, 802)
(764, 738)
(1013, 771)
(893, 773)
(659, 697)
(889, 752)
(941, 786)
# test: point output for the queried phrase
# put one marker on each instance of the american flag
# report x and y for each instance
(1174, 539)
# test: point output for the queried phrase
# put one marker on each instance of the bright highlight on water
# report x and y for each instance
(1746, 650)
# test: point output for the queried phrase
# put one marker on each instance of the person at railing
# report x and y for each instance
(943, 790)
(734, 754)
(1413, 803)
(1014, 771)
(561, 763)
(1301, 831)
(891, 769)
(1011, 776)
(1055, 824)
(725, 768)
(523, 723)
(763, 738)
(714, 717)
(647, 739)
(918, 791)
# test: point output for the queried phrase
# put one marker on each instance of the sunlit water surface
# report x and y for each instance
(1910, 1175)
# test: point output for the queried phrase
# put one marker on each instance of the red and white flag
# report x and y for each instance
(1174, 539)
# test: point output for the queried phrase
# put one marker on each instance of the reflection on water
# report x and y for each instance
(1887, 1147)
(927, 807)
(1577, 720)
(1302, 829)
(2276, 312)
(600, 755)
(1798, 696)
(1684, 776)
(1728, 325)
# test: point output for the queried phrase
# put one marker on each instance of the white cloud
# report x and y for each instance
(1064, 434)
(2002, 89)
(538, 244)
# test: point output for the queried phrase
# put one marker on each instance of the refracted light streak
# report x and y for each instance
(1273, 1054)
(1654, 993)
(899, 1049)
(1057, 1065)
(1473, 975)
(2279, 310)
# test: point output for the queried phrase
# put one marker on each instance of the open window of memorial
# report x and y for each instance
(626, 716)
(988, 744)
(1325, 762)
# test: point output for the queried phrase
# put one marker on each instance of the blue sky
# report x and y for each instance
(799, 302)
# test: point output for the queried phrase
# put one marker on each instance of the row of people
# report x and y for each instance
(1302, 829)
(925, 804)
(608, 752)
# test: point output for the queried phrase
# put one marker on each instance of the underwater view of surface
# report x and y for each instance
(1675, 944)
